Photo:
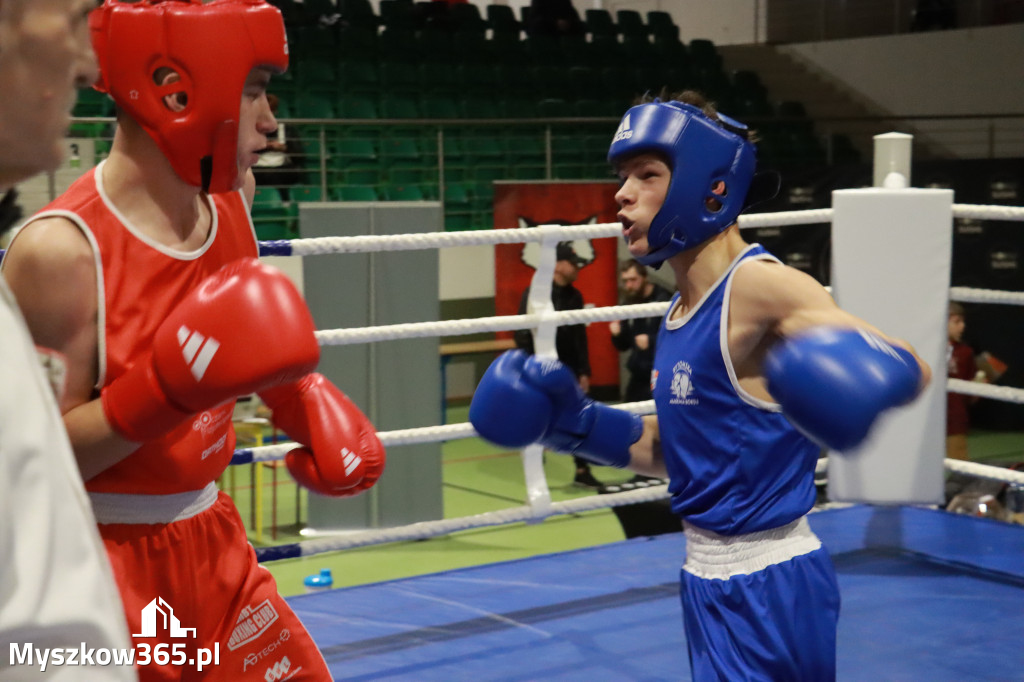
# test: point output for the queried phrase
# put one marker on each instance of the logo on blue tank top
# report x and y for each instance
(682, 385)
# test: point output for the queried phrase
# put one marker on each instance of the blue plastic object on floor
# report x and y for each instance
(318, 582)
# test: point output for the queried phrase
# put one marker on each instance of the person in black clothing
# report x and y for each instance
(570, 340)
(638, 336)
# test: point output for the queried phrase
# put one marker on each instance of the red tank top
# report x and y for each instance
(139, 283)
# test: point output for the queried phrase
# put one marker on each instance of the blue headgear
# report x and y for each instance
(700, 152)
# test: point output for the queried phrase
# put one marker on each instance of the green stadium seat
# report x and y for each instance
(661, 24)
(400, 14)
(92, 129)
(704, 53)
(398, 45)
(435, 44)
(502, 20)
(544, 50)
(517, 107)
(406, 192)
(92, 103)
(629, 22)
(399, 77)
(506, 49)
(568, 171)
(312, 41)
(358, 76)
(357, 43)
(357, 13)
(315, 105)
(354, 193)
(598, 22)
(270, 215)
(439, 106)
(305, 193)
(478, 78)
(437, 78)
(399, 105)
(464, 18)
(606, 51)
(553, 107)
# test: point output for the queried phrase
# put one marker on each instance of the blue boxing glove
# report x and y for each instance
(522, 399)
(832, 383)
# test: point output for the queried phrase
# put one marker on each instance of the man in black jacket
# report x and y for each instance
(638, 336)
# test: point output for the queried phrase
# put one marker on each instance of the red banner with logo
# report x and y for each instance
(528, 204)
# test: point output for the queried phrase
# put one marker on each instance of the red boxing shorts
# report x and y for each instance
(198, 605)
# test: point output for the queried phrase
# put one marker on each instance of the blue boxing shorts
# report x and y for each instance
(760, 606)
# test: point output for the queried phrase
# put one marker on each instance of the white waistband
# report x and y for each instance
(119, 508)
(719, 557)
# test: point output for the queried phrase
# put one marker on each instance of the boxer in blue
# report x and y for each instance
(756, 369)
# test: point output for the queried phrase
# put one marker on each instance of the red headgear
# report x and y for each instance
(212, 47)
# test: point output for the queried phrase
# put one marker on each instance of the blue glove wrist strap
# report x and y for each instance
(609, 439)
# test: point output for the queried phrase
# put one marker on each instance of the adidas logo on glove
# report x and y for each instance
(350, 460)
(197, 350)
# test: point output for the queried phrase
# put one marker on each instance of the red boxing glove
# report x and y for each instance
(342, 454)
(242, 329)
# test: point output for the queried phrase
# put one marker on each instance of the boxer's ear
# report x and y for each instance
(176, 101)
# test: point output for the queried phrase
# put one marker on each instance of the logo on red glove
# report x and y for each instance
(197, 350)
(350, 460)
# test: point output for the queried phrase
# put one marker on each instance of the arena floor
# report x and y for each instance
(927, 595)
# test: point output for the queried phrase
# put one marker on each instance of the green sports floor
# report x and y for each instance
(477, 478)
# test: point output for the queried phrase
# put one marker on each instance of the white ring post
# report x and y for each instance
(538, 302)
(891, 253)
(892, 160)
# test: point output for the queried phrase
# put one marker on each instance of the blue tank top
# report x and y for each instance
(736, 465)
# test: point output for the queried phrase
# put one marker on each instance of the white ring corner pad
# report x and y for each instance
(891, 256)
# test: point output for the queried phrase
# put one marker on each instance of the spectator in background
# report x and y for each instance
(638, 336)
(276, 166)
(961, 365)
(570, 340)
(553, 18)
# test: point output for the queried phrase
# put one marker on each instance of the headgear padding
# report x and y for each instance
(212, 47)
(700, 152)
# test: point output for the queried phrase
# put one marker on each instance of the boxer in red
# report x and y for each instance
(144, 276)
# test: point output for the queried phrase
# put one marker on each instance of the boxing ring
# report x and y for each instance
(926, 594)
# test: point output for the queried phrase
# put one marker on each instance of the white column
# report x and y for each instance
(891, 252)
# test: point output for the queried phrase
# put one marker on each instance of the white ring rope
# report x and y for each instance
(318, 246)
(1005, 393)
(980, 212)
(432, 240)
(423, 434)
(501, 323)
(985, 471)
(968, 295)
(428, 529)
(544, 321)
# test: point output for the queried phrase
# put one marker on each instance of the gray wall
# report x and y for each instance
(397, 383)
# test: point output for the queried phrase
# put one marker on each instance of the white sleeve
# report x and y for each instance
(56, 586)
